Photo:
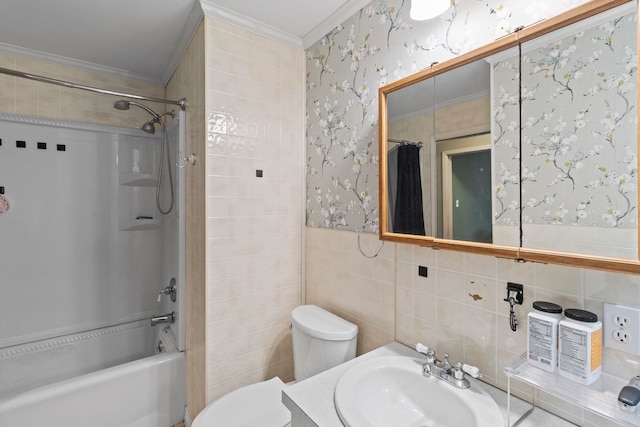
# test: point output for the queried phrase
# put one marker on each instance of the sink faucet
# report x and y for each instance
(443, 370)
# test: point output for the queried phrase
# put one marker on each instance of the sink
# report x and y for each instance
(391, 391)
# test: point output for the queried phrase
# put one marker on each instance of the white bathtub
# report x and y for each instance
(149, 392)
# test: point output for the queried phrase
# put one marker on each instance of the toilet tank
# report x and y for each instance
(321, 340)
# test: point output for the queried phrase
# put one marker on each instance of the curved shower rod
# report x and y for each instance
(182, 103)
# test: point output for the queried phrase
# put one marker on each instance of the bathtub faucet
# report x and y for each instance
(444, 371)
(165, 318)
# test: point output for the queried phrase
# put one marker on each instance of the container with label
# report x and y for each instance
(542, 335)
(580, 346)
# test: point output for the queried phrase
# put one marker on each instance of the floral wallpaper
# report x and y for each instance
(376, 46)
(579, 127)
(505, 131)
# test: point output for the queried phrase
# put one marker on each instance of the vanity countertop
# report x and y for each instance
(311, 401)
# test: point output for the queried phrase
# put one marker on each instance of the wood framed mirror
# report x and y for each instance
(556, 104)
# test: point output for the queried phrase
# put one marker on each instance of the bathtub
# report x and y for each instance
(148, 392)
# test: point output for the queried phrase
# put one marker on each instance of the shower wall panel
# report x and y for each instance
(67, 262)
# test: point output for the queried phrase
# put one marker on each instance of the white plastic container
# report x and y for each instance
(580, 351)
(542, 335)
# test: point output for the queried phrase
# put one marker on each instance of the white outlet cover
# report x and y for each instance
(622, 321)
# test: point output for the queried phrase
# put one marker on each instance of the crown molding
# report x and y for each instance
(189, 30)
(227, 15)
(84, 65)
(200, 9)
(343, 13)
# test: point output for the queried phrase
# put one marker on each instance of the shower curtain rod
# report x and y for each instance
(404, 142)
(182, 103)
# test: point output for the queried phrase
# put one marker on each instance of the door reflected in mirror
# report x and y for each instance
(465, 188)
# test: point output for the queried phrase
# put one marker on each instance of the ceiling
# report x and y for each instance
(144, 39)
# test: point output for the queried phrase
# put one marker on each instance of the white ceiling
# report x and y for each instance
(144, 39)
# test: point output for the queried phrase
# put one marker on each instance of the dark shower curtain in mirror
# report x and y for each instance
(392, 184)
(408, 216)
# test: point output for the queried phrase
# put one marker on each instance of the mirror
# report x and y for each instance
(569, 85)
(445, 115)
(579, 137)
(446, 120)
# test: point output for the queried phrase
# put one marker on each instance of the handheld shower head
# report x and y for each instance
(121, 105)
(125, 105)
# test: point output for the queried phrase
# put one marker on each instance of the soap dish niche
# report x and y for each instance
(138, 180)
(140, 223)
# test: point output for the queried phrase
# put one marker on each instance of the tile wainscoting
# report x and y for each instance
(459, 308)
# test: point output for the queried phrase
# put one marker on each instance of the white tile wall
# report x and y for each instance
(255, 118)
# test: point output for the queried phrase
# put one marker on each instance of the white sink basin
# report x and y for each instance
(391, 391)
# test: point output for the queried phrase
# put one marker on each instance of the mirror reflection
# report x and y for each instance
(410, 129)
(465, 188)
(547, 129)
(579, 137)
(444, 125)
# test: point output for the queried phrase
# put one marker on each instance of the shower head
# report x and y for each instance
(149, 127)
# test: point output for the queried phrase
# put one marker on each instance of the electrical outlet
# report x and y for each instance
(622, 320)
(621, 336)
(622, 328)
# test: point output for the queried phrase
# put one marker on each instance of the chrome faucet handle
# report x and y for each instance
(472, 370)
(431, 355)
(170, 290)
(421, 348)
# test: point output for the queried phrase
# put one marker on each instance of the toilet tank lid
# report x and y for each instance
(319, 323)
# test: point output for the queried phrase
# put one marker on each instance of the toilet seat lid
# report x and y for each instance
(257, 404)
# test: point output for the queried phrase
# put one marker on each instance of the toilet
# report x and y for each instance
(321, 340)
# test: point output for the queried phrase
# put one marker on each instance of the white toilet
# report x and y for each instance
(321, 340)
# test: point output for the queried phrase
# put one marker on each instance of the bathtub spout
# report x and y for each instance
(165, 318)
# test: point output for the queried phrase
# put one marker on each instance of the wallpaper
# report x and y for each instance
(505, 131)
(376, 46)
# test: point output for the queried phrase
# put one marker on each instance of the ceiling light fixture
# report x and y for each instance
(421, 10)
